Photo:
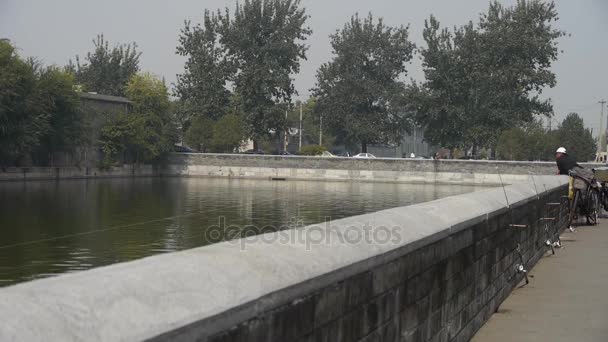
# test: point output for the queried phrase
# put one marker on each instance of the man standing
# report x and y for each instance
(579, 184)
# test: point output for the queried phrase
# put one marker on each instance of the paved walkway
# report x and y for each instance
(567, 298)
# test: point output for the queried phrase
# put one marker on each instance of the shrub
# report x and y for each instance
(312, 150)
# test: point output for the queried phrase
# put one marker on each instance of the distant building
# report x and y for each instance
(96, 108)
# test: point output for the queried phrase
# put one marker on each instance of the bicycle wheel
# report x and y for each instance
(593, 205)
(574, 208)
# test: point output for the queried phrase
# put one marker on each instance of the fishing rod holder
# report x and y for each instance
(520, 268)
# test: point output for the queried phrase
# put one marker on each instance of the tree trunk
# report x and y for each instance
(363, 147)
(256, 145)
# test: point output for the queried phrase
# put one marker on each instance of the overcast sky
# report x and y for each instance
(57, 30)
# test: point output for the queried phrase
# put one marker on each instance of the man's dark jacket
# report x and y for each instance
(566, 163)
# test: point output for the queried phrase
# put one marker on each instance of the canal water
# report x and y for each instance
(53, 227)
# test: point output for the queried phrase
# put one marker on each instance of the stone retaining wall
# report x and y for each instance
(73, 172)
(465, 172)
(443, 270)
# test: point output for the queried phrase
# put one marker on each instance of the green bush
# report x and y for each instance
(312, 150)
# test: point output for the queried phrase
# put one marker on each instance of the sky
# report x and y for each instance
(55, 31)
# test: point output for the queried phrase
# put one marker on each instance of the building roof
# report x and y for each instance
(104, 98)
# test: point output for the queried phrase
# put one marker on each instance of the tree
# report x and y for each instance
(202, 88)
(200, 133)
(67, 128)
(252, 54)
(23, 118)
(357, 90)
(529, 142)
(511, 145)
(483, 79)
(577, 140)
(147, 133)
(228, 134)
(118, 138)
(107, 71)
(38, 110)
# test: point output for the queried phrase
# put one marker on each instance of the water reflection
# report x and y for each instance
(53, 227)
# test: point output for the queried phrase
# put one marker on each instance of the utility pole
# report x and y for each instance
(600, 142)
(300, 146)
(286, 134)
(321, 129)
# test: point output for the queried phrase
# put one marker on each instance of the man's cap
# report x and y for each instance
(561, 150)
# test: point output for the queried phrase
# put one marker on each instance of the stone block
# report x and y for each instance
(359, 289)
(293, 320)
(390, 275)
(354, 326)
(436, 322)
(255, 330)
(441, 336)
(388, 332)
(330, 304)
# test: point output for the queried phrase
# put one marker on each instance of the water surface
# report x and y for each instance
(53, 227)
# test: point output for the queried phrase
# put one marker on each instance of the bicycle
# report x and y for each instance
(601, 175)
(586, 200)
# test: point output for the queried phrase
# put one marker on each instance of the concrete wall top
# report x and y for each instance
(218, 285)
(381, 164)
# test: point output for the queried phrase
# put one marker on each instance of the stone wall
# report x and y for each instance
(444, 291)
(475, 172)
(434, 271)
(73, 172)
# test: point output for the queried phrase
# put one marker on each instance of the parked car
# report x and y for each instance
(254, 152)
(183, 149)
(284, 153)
(364, 156)
(343, 154)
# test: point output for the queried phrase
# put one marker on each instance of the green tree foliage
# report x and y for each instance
(511, 145)
(202, 87)
(483, 79)
(107, 71)
(200, 133)
(250, 56)
(23, 120)
(66, 127)
(533, 142)
(228, 134)
(357, 90)
(119, 137)
(38, 109)
(148, 132)
(577, 140)
(221, 136)
(313, 150)
(529, 142)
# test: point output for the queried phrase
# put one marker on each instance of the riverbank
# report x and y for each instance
(74, 172)
(413, 171)
(280, 168)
